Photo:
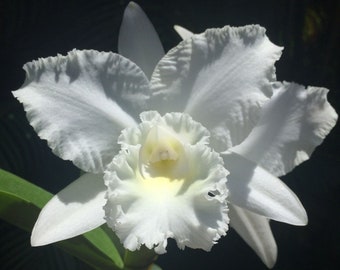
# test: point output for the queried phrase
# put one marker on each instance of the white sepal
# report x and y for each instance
(183, 32)
(253, 188)
(255, 231)
(76, 209)
(138, 39)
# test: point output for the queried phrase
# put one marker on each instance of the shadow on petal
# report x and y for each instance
(73, 211)
(255, 189)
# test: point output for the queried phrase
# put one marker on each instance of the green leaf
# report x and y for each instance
(20, 204)
(141, 259)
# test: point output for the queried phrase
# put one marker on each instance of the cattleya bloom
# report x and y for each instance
(175, 145)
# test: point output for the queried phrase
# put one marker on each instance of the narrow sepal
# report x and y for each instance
(76, 209)
(255, 189)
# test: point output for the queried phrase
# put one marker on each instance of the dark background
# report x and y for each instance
(309, 31)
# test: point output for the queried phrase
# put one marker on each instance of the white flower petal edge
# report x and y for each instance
(180, 125)
(163, 170)
(76, 209)
(228, 71)
(255, 231)
(183, 32)
(79, 103)
(253, 188)
(292, 124)
(138, 39)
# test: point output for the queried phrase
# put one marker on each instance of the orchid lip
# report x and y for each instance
(158, 170)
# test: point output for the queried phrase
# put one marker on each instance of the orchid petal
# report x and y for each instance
(76, 209)
(181, 126)
(132, 204)
(292, 124)
(253, 188)
(185, 184)
(183, 32)
(256, 232)
(221, 78)
(72, 102)
(138, 39)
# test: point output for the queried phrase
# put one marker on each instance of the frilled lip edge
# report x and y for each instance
(190, 204)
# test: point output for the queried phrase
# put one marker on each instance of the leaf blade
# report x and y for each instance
(20, 204)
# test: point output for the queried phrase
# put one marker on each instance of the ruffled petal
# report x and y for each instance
(183, 32)
(292, 124)
(256, 232)
(144, 212)
(253, 188)
(76, 209)
(138, 39)
(79, 103)
(221, 78)
(180, 126)
(164, 187)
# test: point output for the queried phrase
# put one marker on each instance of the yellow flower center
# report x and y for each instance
(160, 151)
(161, 187)
(161, 162)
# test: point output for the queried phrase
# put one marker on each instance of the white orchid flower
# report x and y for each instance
(209, 110)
